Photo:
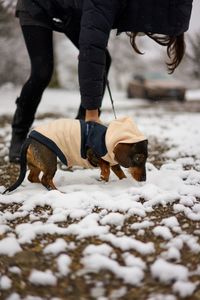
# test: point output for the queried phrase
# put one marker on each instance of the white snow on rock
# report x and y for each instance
(55, 248)
(133, 261)
(145, 224)
(98, 262)
(5, 282)
(14, 296)
(9, 246)
(103, 249)
(184, 289)
(170, 222)
(15, 270)
(172, 254)
(162, 231)
(63, 263)
(4, 228)
(166, 272)
(42, 278)
(115, 219)
(126, 243)
(162, 297)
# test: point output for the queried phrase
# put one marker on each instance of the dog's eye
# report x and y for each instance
(139, 158)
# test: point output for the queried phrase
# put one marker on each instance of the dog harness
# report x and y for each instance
(70, 139)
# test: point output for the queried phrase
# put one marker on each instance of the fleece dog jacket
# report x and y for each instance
(69, 139)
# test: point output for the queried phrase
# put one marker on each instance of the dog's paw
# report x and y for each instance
(103, 178)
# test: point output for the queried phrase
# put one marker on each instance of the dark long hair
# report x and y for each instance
(175, 47)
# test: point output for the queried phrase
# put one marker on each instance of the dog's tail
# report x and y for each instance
(23, 162)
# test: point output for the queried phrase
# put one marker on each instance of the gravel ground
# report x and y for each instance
(101, 285)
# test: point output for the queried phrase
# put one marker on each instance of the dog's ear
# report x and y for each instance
(122, 154)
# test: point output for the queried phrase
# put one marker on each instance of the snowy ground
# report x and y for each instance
(119, 240)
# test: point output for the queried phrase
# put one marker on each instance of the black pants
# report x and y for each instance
(39, 44)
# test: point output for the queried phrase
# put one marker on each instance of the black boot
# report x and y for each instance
(22, 121)
(15, 146)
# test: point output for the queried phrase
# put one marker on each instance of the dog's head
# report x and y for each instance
(133, 156)
(127, 145)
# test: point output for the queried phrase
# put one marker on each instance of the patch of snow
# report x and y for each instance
(55, 248)
(126, 243)
(15, 270)
(167, 272)
(162, 297)
(63, 263)
(184, 289)
(133, 261)
(9, 246)
(115, 219)
(98, 262)
(162, 231)
(172, 254)
(144, 224)
(5, 282)
(102, 249)
(40, 278)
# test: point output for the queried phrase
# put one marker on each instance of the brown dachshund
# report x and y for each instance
(40, 153)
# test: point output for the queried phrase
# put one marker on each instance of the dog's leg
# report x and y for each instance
(34, 174)
(118, 171)
(42, 159)
(105, 170)
(47, 181)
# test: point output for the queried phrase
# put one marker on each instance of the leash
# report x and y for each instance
(111, 98)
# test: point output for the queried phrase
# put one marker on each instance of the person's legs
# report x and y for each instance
(40, 49)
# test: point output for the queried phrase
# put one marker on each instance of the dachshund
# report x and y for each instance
(87, 144)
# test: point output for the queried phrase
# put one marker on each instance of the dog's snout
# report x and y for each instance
(143, 178)
(137, 173)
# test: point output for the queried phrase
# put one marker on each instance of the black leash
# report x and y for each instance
(111, 98)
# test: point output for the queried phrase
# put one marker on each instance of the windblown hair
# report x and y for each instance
(175, 47)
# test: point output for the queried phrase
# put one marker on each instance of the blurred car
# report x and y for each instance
(156, 86)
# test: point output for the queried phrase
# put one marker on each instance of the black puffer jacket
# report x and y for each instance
(98, 17)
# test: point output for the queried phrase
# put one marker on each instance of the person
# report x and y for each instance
(88, 23)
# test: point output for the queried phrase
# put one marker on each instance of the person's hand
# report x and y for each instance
(92, 115)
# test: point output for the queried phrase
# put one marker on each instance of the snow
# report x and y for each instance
(126, 243)
(97, 262)
(163, 232)
(86, 209)
(63, 263)
(166, 271)
(5, 282)
(103, 249)
(184, 289)
(172, 254)
(113, 219)
(131, 260)
(9, 246)
(42, 278)
(170, 222)
(15, 270)
(55, 248)
(162, 297)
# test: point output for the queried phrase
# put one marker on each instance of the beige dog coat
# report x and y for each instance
(68, 138)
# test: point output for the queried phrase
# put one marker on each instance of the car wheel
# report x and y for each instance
(181, 98)
(129, 93)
